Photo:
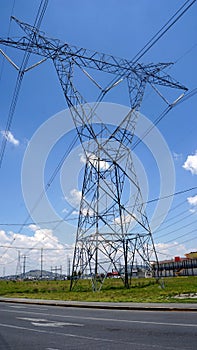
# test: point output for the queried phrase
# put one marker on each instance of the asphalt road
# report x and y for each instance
(36, 327)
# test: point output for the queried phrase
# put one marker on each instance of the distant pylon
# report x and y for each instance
(18, 266)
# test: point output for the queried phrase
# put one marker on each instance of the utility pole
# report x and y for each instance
(18, 266)
(41, 262)
(68, 266)
(55, 270)
(24, 265)
(126, 263)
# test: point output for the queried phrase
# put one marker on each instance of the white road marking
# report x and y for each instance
(27, 307)
(18, 307)
(120, 341)
(108, 319)
(42, 322)
(52, 349)
(56, 324)
(32, 319)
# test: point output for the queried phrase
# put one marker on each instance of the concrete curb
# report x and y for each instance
(110, 305)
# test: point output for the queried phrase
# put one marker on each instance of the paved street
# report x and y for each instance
(24, 326)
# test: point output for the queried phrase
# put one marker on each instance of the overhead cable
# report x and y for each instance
(171, 195)
(37, 23)
(178, 14)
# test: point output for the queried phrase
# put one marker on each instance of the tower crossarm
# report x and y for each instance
(36, 42)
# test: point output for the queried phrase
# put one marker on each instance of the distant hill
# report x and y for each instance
(36, 274)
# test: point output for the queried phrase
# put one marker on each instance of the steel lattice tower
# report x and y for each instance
(106, 234)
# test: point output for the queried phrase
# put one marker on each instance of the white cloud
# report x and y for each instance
(191, 164)
(87, 212)
(170, 250)
(192, 200)
(10, 137)
(33, 227)
(82, 158)
(54, 253)
(4, 238)
(75, 197)
(193, 210)
(75, 212)
(177, 156)
(104, 165)
(127, 219)
(93, 159)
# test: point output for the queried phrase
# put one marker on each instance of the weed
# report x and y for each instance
(141, 290)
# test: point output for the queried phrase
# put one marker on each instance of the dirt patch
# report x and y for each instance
(186, 296)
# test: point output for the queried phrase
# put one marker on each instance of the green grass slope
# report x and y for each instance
(142, 290)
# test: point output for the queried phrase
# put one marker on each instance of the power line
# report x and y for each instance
(179, 229)
(185, 234)
(178, 205)
(185, 54)
(33, 248)
(9, 28)
(171, 195)
(188, 95)
(172, 209)
(37, 23)
(50, 181)
(163, 30)
(146, 48)
(52, 178)
(190, 239)
(70, 212)
(182, 242)
(173, 217)
(31, 223)
(156, 121)
(57, 169)
(163, 114)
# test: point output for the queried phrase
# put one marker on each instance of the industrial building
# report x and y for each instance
(179, 266)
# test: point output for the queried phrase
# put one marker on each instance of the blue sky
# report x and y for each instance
(120, 29)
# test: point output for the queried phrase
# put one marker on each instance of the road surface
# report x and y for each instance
(37, 327)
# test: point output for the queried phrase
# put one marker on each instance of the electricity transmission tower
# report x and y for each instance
(112, 228)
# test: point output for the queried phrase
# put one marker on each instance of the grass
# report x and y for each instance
(141, 290)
